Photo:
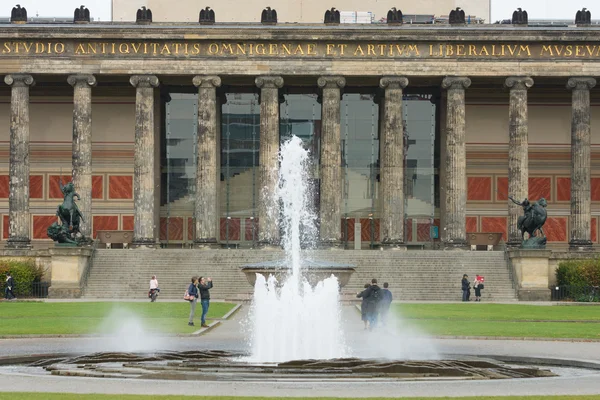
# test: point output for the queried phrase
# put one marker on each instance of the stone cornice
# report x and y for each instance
(373, 32)
(581, 83)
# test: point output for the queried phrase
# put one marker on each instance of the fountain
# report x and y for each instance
(295, 312)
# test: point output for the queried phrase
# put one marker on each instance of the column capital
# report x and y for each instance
(82, 80)
(518, 82)
(581, 83)
(206, 81)
(331, 82)
(144, 81)
(456, 82)
(19, 80)
(393, 82)
(273, 82)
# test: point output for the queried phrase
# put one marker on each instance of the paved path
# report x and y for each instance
(229, 336)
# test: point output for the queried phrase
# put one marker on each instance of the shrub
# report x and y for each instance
(580, 276)
(24, 273)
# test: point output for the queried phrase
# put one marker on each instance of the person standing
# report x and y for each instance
(154, 290)
(478, 285)
(10, 287)
(466, 288)
(373, 296)
(193, 293)
(386, 301)
(363, 306)
(204, 287)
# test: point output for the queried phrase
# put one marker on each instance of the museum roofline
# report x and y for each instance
(296, 31)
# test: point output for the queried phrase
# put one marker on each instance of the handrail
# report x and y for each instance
(511, 268)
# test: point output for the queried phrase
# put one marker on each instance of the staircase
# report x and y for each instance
(420, 275)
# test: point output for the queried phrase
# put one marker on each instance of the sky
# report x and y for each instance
(501, 9)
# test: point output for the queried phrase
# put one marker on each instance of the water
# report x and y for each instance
(294, 320)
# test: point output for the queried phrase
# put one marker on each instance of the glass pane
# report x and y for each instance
(178, 169)
(240, 144)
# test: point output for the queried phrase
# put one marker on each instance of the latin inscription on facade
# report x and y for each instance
(205, 49)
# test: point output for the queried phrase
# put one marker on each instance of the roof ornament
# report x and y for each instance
(143, 16)
(457, 17)
(268, 16)
(519, 17)
(332, 16)
(18, 15)
(583, 17)
(81, 15)
(207, 16)
(394, 16)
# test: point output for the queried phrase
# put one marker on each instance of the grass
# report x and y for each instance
(504, 320)
(66, 396)
(36, 318)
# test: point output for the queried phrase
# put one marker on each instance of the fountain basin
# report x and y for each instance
(313, 270)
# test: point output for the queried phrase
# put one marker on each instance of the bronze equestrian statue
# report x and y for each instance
(70, 218)
(532, 221)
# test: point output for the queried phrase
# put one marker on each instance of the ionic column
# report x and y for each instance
(456, 163)
(580, 219)
(18, 201)
(331, 160)
(207, 168)
(268, 207)
(143, 179)
(392, 162)
(82, 146)
(518, 160)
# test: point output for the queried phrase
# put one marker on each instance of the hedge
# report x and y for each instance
(24, 273)
(579, 276)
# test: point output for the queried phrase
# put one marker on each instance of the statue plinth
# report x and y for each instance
(532, 272)
(69, 264)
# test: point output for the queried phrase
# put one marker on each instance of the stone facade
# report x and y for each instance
(485, 156)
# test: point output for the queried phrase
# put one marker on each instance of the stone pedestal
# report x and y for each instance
(331, 162)
(143, 178)
(18, 200)
(392, 163)
(68, 266)
(82, 146)
(518, 160)
(581, 201)
(207, 169)
(456, 163)
(268, 207)
(531, 272)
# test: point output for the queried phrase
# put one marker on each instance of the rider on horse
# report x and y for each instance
(69, 207)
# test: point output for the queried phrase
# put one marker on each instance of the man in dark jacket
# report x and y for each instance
(204, 286)
(466, 288)
(386, 301)
(10, 286)
(373, 296)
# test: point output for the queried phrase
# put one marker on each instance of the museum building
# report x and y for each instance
(417, 133)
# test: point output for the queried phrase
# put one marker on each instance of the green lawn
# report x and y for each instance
(31, 318)
(65, 396)
(508, 320)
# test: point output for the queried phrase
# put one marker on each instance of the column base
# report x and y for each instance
(456, 245)
(397, 246)
(143, 244)
(580, 245)
(18, 243)
(514, 244)
(206, 244)
(330, 245)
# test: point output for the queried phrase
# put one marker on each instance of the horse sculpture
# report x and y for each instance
(532, 221)
(70, 217)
